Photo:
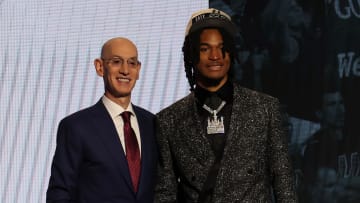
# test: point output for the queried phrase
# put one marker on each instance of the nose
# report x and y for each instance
(124, 69)
(215, 54)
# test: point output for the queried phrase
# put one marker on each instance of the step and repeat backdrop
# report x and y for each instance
(47, 50)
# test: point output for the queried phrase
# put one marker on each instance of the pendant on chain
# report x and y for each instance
(215, 125)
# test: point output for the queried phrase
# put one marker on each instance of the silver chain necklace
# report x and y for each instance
(215, 124)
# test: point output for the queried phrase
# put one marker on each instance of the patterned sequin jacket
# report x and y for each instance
(255, 156)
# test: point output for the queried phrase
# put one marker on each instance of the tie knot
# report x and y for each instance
(126, 116)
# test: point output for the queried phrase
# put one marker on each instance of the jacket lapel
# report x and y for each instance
(146, 149)
(237, 118)
(194, 134)
(107, 134)
(240, 119)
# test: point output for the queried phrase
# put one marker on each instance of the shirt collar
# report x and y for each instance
(115, 109)
(224, 93)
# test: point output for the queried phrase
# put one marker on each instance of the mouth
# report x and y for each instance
(215, 66)
(121, 79)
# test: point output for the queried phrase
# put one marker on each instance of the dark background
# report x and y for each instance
(299, 51)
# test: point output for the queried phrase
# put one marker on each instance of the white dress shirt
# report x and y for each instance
(115, 110)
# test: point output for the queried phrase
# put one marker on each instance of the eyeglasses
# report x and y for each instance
(117, 62)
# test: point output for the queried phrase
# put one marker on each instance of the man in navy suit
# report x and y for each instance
(91, 158)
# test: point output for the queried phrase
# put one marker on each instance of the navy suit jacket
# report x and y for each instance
(89, 164)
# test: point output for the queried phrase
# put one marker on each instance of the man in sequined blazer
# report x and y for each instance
(222, 142)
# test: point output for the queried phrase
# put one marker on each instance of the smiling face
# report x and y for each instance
(214, 63)
(119, 68)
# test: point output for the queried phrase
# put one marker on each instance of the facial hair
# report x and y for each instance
(208, 82)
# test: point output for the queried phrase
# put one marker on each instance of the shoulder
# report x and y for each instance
(85, 115)
(80, 114)
(252, 96)
(178, 108)
(257, 105)
(140, 111)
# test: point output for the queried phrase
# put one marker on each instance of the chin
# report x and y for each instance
(124, 94)
(212, 81)
(120, 94)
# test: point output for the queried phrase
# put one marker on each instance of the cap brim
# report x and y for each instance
(228, 26)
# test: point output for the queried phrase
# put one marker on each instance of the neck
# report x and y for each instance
(211, 86)
(122, 101)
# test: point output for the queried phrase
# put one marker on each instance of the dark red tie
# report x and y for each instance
(132, 150)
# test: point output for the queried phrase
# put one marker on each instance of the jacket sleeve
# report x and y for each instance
(166, 188)
(280, 163)
(64, 170)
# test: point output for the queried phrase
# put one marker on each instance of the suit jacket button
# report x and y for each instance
(250, 171)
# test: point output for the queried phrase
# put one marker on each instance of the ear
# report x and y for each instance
(98, 63)
(139, 68)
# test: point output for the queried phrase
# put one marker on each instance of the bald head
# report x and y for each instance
(118, 42)
(119, 67)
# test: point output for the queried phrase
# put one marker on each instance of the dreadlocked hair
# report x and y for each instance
(191, 52)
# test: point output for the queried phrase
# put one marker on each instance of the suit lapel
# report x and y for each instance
(146, 148)
(196, 136)
(107, 134)
(239, 117)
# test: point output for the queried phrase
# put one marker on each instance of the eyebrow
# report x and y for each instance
(133, 57)
(207, 44)
(116, 56)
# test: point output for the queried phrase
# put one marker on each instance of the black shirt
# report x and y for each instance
(218, 140)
